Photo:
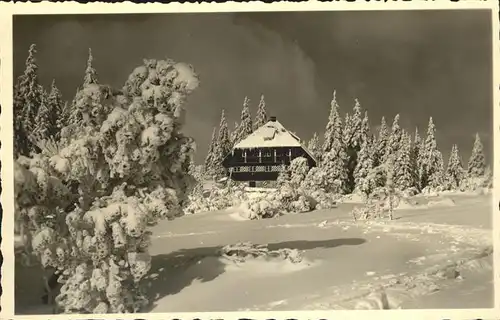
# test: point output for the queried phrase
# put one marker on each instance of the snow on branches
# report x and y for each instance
(89, 198)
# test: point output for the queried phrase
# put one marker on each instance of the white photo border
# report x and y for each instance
(7, 10)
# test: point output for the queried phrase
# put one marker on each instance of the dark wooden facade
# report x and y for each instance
(262, 164)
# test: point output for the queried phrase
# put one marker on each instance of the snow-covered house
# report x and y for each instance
(261, 156)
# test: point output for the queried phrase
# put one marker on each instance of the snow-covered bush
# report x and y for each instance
(218, 198)
(380, 205)
(299, 168)
(320, 199)
(472, 184)
(284, 200)
(243, 251)
(381, 201)
(254, 209)
(90, 197)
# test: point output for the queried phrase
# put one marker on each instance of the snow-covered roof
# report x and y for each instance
(271, 134)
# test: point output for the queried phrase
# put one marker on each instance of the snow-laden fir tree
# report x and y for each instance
(335, 169)
(436, 179)
(284, 176)
(382, 142)
(390, 187)
(298, 169)
(454, 174)
(208, 168)
(365, 129)
(431, 163)
(416, 158)
(75, 115)
(57, 107)
(314, 146)
(27, 100)
(221, 148)
(245, 127)
(89, 199)
(233, 135)
(363, 168)
(44, 120)
(353, 133)
(90, 72)
(477, 163)
(346, 129)
(21, 141)
(403, 170)
(353, 139)
(333, 130)
(261, 116)
(395, 137)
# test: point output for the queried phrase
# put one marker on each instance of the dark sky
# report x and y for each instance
(416, 63)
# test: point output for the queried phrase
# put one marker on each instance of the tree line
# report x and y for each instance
(223, 140)
(353, 158)
(41, 114)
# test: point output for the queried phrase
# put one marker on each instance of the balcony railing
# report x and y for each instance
(273, 168)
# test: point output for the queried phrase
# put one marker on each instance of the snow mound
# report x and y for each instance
(245, 256)
(441, 202)
(266, 266)
(405, 204)
(353, 198)
(243, 251)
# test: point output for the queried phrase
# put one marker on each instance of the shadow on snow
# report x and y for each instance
(171, 273)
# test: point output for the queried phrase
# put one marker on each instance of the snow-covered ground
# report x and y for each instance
(433, 257)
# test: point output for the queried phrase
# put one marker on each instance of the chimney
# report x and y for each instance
(272, 119)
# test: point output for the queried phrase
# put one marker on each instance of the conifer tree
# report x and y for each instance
(233, 135)
(436, 179)
(90, 72)
(365, 129)
(44, 120)
(210, 154)
(245, 127)
(57, 111)
(353, 139)
(222, 147)
(477, 163)
(416, 159)
(381, 144)
(395, 137)
(22, 144)
(75, 115)
(353, 133)
(27, 101)
(403, 170)
(431, 166)
(335, 169)
(314, 146)
(333, 131)
(261, 116)
(454, 174)
(390, 187)
(63, 118)
(364, 166)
